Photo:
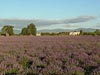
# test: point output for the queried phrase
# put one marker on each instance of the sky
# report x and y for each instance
(50, 14)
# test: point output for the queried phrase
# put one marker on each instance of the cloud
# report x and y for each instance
(79, 19)
(43, 22)
(16, 22)
(65, 21)
(98, 25)
(70, 25)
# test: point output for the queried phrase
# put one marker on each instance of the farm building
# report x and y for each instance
(38, 34)
(74, 33)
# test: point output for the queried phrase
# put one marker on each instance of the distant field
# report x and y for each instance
(50, 55)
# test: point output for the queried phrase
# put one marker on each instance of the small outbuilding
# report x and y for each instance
(74, 33)
(38, 34)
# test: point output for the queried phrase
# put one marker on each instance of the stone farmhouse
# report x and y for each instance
(74, 33)
(38, 34)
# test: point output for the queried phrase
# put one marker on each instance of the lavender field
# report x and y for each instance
(50, 55)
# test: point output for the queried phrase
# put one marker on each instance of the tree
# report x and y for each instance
(31, 29)
(97, 32)
(81, 32)
(24, 31)
(8, 29)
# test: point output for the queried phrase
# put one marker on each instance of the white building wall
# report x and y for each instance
(74, 33)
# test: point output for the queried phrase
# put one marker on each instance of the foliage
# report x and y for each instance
(24, 31)
(8, 29)
(25, 62)
(89, 33)
(11, 72)
(81, 32)
(97, 32)
(55, 34)
(30, 30)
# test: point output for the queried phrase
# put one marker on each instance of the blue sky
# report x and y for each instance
(85, 13)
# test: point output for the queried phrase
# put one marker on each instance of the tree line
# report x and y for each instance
(96, 32)
(29, 30)
(32, 30)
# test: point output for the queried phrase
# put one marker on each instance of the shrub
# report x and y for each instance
(25, 62)
(78, 73)
(32, 73)
(11, 72)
